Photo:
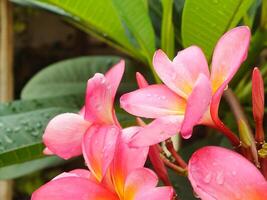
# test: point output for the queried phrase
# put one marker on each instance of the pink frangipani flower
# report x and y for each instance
(63, 134)
(218, 173)
(189, 88)
(124, 179)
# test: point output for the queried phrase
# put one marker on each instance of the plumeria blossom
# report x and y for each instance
(124, 179)
(64, 133)
(189, 90)
(218, 173)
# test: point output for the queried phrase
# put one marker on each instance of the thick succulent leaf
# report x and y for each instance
(203, 22)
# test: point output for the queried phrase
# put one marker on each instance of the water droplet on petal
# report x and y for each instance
(220, 178)
(207, 178)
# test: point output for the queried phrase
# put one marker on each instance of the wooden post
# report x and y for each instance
(6, 51)
(6, 72)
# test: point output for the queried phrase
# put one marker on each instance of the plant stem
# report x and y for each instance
(244, 129)
(181, 171)
(174, 153)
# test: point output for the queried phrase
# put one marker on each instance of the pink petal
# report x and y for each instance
(47, 151)
(197, 105)
(123, 160)
(157, 131)
(99, 144)
(181, 74)
(230, 51)
(218, 173)
(99, 100)
(75, 173)
(82, 111)
(114, 76)
(152, 102)
(141, 81)
(139, 181)
(70, 188)
(158, 193)
(63, 134)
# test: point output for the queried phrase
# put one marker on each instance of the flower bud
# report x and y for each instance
(258, 103)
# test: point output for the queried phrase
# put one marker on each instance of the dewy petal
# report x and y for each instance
(138, 182)
(114, 76)
(197, 105)
(99, 144)
(230, 51)
(99, 100)
(70, 188)
(63, 134)
(153, 101)
(218, 173)
(126, 159)
(157, 131)
(158, 193)
(181, 74)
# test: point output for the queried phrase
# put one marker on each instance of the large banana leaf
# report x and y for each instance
(203, 22)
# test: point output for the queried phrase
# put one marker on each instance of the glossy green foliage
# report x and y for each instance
(204, 22)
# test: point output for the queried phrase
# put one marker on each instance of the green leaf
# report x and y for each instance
(18, 170)
(98, 18)
(134, 15)
(69, 77)
(21, 133)
(204, 22)
(167, 30)
(264, 15)
(100, 15)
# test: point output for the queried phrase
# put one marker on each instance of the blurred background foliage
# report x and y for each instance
(60, 44)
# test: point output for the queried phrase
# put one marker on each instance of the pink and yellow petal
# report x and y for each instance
(197, 105)
(230, 51)
(123, 160)
(153, 101)
(63, 135)
(181, 74)
(139, 181)
(70, 188)
(218, 173)
(99, 145)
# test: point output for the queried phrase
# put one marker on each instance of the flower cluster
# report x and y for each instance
(189, 95)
